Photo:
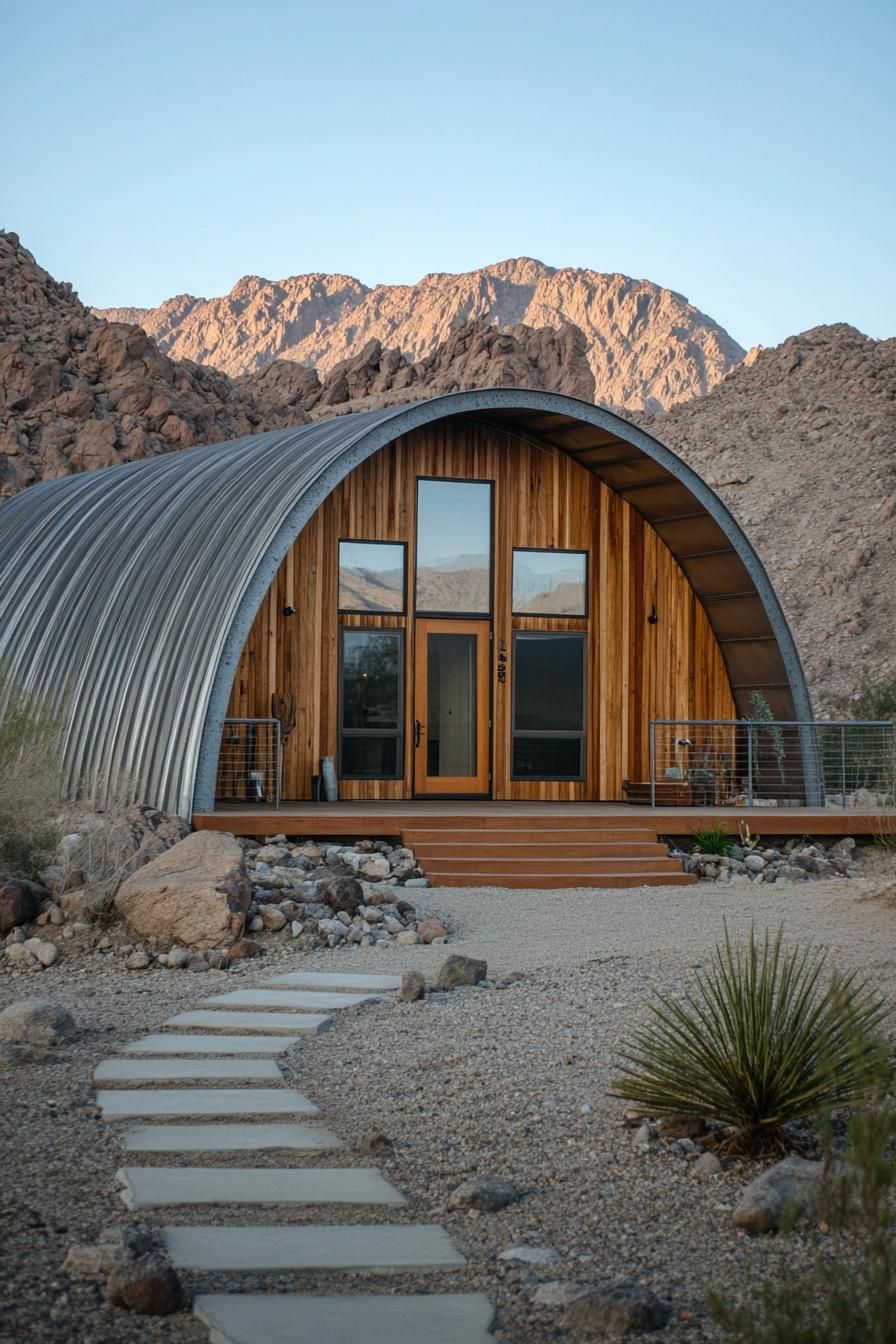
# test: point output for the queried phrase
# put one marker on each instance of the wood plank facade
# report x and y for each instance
(637, 669)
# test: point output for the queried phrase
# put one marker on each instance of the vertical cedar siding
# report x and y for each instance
(542, 498)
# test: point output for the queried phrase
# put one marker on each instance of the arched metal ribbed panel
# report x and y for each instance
(127, 594)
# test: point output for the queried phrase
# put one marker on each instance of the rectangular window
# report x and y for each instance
(371, 704)
(454, 548)
(371, 576)
(550, 583)
(549, 705)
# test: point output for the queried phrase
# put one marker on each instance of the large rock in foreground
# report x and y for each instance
(37, 1022)
(196, 893)
(788, 1193)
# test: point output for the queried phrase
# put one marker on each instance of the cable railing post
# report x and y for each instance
(843, 765)
(749, 766)
(652, 738)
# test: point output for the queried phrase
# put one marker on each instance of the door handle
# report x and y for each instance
(418, 729)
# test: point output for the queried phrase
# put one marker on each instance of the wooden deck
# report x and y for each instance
(386, 818)
(541, 845)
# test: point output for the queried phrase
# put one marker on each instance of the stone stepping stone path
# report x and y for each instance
(273, 1250)
(128, 1104)
(225, 1138)
(290, 998)
(182, 1044)
(156, 1070)
(296, 1318)
(382, 984)
(153, 1187)
(308, 1024)
(219, 1043)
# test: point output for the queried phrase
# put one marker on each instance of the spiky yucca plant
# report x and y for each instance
(760, 1041)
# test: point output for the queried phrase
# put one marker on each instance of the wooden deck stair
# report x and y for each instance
(548, 851)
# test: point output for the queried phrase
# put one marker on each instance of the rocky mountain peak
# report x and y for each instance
(647, 347)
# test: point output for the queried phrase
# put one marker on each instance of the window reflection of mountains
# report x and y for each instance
(371, 589)
(568, 599)
(464, 586)
(557, 593)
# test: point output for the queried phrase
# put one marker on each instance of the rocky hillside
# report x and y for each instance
(647, 347)
(800, 442)
(77, 392)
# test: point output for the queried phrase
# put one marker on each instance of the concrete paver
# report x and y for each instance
(294, 1318)
(157, 1070)
(209, 1019)
(250, 1137)
(311, 1247)
(125, 1103)
(153, 1187)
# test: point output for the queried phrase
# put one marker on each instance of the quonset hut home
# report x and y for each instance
(484, 596)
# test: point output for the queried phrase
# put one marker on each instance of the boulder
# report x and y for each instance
(457, 970)
(196, 893)
(341, 893)
(412, 986)
(485, 1195)
(37, 1022)
(19, 903)
(788, 1191)
(244, 947)
(430, 928)
(147, 1285)
(628, 1309)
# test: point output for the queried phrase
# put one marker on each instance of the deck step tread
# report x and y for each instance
(557, 881)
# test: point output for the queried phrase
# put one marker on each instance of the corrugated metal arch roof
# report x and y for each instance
(128, 593)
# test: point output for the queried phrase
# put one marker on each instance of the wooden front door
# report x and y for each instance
(452, 737)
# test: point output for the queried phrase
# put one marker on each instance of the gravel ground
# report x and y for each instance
(493, 1082)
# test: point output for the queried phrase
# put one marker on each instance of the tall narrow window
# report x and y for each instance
(549, 716)
(454, 548)
(371, 736)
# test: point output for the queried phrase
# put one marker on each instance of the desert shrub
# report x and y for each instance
(761, 1041)
(30, 778)
(849, 1294)
(711, 839)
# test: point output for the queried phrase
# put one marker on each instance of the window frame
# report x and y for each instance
(487, 615)
(399, 732)
(550, 734)
(375, 611)
(553, 615)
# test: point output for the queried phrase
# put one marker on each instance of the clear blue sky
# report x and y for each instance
(739, 153)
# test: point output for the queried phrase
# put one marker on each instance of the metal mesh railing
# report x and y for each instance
(758, 763)
(249, 762)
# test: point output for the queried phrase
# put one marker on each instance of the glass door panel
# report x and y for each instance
(451, 730)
